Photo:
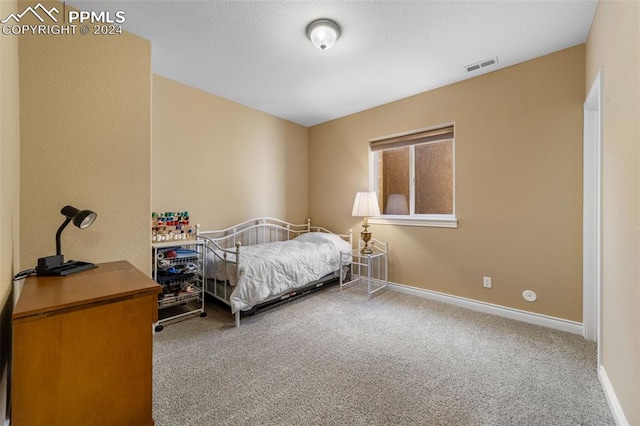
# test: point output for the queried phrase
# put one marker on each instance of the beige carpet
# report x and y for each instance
(336, 358)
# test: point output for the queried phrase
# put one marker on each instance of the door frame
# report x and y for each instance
(592, 214)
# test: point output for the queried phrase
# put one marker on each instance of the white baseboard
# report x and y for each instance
(490, 308)
(612, 399)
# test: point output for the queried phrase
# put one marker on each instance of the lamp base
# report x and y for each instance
(366, 237)
(54, 266)
(49, 263)
(366, 250)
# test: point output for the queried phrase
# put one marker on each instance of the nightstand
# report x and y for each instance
(372, 268)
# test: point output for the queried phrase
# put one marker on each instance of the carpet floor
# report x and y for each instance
(337, 358)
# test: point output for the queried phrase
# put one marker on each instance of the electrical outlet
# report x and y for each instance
(486, 282)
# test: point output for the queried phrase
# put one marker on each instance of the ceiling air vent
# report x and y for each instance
(481, 64)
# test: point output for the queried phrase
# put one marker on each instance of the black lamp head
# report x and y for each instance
(81, 218)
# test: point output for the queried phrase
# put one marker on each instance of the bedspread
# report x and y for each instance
(273, 268)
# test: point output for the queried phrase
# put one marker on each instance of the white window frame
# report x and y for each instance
(434, 220)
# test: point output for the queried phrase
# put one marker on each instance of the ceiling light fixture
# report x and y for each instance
(323, 33)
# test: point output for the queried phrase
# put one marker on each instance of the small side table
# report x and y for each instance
(374, 265)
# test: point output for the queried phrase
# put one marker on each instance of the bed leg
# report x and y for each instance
(238, 318)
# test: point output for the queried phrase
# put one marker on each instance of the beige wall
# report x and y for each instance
(9, 189)
(223, 162)
(9, 157)
(85, 111)
(614, 46)
(518, 159)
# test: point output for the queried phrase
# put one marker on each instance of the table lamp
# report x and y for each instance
(365, 205)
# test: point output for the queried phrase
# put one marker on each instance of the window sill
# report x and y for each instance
(435, 221)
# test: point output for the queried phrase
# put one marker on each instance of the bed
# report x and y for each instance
(262, 262)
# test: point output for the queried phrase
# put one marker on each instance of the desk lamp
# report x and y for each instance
(55, 265)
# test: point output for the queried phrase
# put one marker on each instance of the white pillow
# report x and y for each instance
(321, 237)
(312, 237)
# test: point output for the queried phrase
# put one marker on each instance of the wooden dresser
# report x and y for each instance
(83, 348)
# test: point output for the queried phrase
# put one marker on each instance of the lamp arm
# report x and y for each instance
(58, 234)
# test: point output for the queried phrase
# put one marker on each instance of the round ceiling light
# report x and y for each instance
(323, 33)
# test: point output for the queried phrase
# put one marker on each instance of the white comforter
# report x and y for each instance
(270, 269)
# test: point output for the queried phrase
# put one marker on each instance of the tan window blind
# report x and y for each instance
(434, 135)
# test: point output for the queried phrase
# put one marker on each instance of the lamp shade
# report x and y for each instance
(323, 33)
(365, 204)
(81, 218)
(397, 204)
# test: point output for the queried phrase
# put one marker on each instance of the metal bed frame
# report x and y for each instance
(260, 230)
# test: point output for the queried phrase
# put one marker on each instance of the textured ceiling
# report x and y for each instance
(256, 52)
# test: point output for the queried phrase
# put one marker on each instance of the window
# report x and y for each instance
(413, 175)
